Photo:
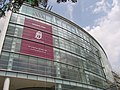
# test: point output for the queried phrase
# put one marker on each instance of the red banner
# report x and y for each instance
(37, 33)
(38, 25)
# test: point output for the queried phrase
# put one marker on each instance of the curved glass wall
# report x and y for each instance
(67, 52)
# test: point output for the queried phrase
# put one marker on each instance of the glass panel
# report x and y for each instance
(23, 8)
(29, 10)
(11, 29)
(7, 43)
(55, 30)
(18, 31)
(56, 41)
(18, 45)
(14, 17)
(48, 18)
(4, 60)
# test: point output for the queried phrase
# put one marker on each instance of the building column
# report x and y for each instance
(4, 21)
(6, 84)
(59, 86)
(58, 74)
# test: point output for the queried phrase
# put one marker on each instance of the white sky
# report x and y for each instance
(107, 32)
(101, 18)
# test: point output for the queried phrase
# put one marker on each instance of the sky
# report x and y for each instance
(100, 18)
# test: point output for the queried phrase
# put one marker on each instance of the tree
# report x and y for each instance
(14, 5)
(59, 1)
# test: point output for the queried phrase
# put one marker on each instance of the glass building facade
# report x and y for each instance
(52, 53)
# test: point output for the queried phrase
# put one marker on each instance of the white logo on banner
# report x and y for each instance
(38, 35)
